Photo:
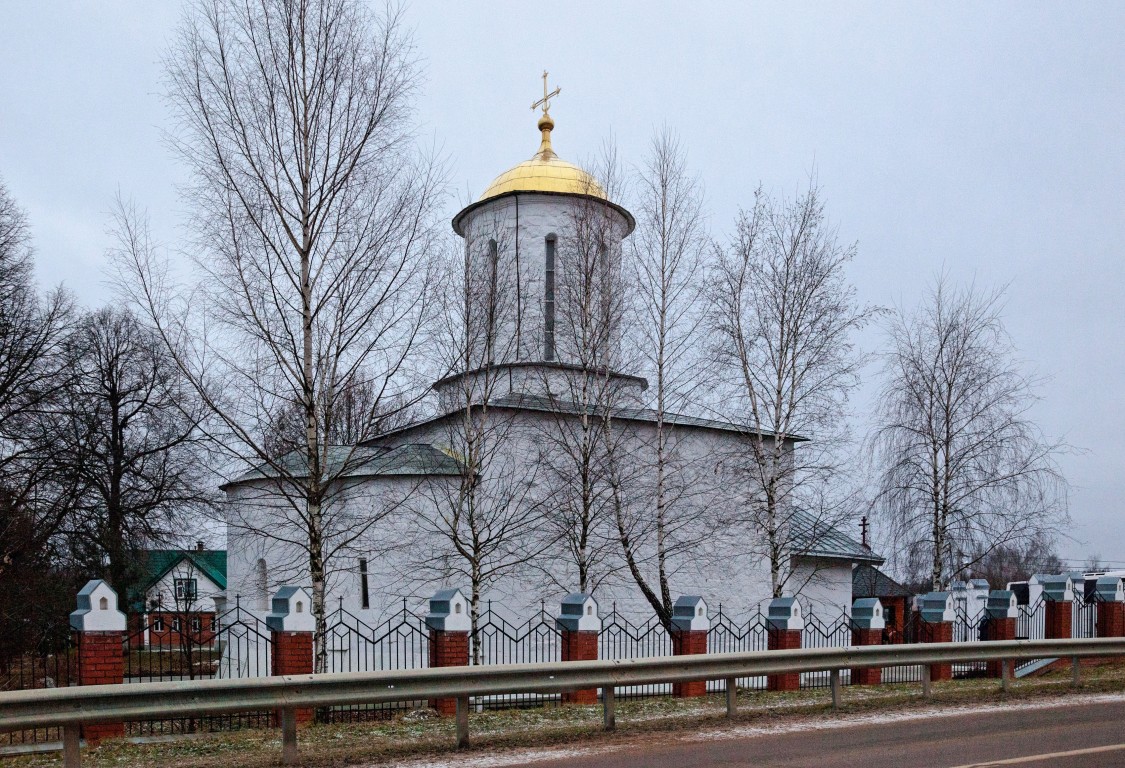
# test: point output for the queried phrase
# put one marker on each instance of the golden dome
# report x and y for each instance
(545, 172)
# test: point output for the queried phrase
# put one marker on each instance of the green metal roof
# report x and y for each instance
(813, 537)
(869, 581)
(156, 563)
(365, 461)
(543, 404)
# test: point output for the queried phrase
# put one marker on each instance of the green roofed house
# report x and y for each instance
(176, 597)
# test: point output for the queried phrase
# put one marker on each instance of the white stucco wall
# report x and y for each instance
(407, 558)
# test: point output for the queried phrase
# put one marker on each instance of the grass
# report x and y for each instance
(420, 734)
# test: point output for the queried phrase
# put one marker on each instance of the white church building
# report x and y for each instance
(539, 400)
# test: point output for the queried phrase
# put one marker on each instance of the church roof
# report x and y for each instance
(365, 461)
(869, 581)
(813, 537)
(545, 172)
(553, 405)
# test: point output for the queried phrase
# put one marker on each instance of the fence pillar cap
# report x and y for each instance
(689, 614)
(1002, 604)
(1110, 589)
(867, 613)
(1057, 588)
(578, 612)
(449, 611)
(291, 611)
(785, 613)
(97, 609)
(936, 607)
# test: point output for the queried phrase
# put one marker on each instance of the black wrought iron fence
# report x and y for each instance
(622, 639)
(1031, 620)
(969, 628)
(834, 632)
(727, 635)
(53, 663)
(401, 641)
(912, 632)
(501, 640)
(1084, 617)
(1031, 624)
(188, 646)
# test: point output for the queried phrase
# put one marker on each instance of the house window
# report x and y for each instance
(158, 624)
(186, 589)
(549, 300)
(196, 624)
(364, 597)
(175, 623)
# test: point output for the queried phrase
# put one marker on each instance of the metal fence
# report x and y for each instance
(401, 641)
(1031, 624)
(622, 639)
(52, 664)
(727, 635)
(1084, 617)
(835, 632)
(502, 640)
(238, 645)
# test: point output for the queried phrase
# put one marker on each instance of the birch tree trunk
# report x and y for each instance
(314, 221)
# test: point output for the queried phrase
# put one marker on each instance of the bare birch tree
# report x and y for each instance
(783, 316)
(578, 437)
(665, 263)
(964, 469)
(311, 234)
(486, 522)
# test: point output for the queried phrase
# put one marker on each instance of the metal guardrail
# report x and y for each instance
(73, 707)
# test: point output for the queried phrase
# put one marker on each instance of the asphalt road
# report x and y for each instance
(1072, 735)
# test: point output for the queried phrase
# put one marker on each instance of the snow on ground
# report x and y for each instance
(876, 718)
(508, 758)
(811, 723)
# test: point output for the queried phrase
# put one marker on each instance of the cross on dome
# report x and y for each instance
(545, 102)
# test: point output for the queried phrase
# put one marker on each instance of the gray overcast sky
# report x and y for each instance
(985, 139)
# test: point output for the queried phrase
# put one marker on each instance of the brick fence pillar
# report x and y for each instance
(101, 639)
(579, 625)
(868, 622)
(786, 626)
(937, 627)
(1058, 595)
(292, 626)
(1111, 619)
(690, 626)
(1110, 593)
(449, 624)
(1058, 617)
(1000, 623)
